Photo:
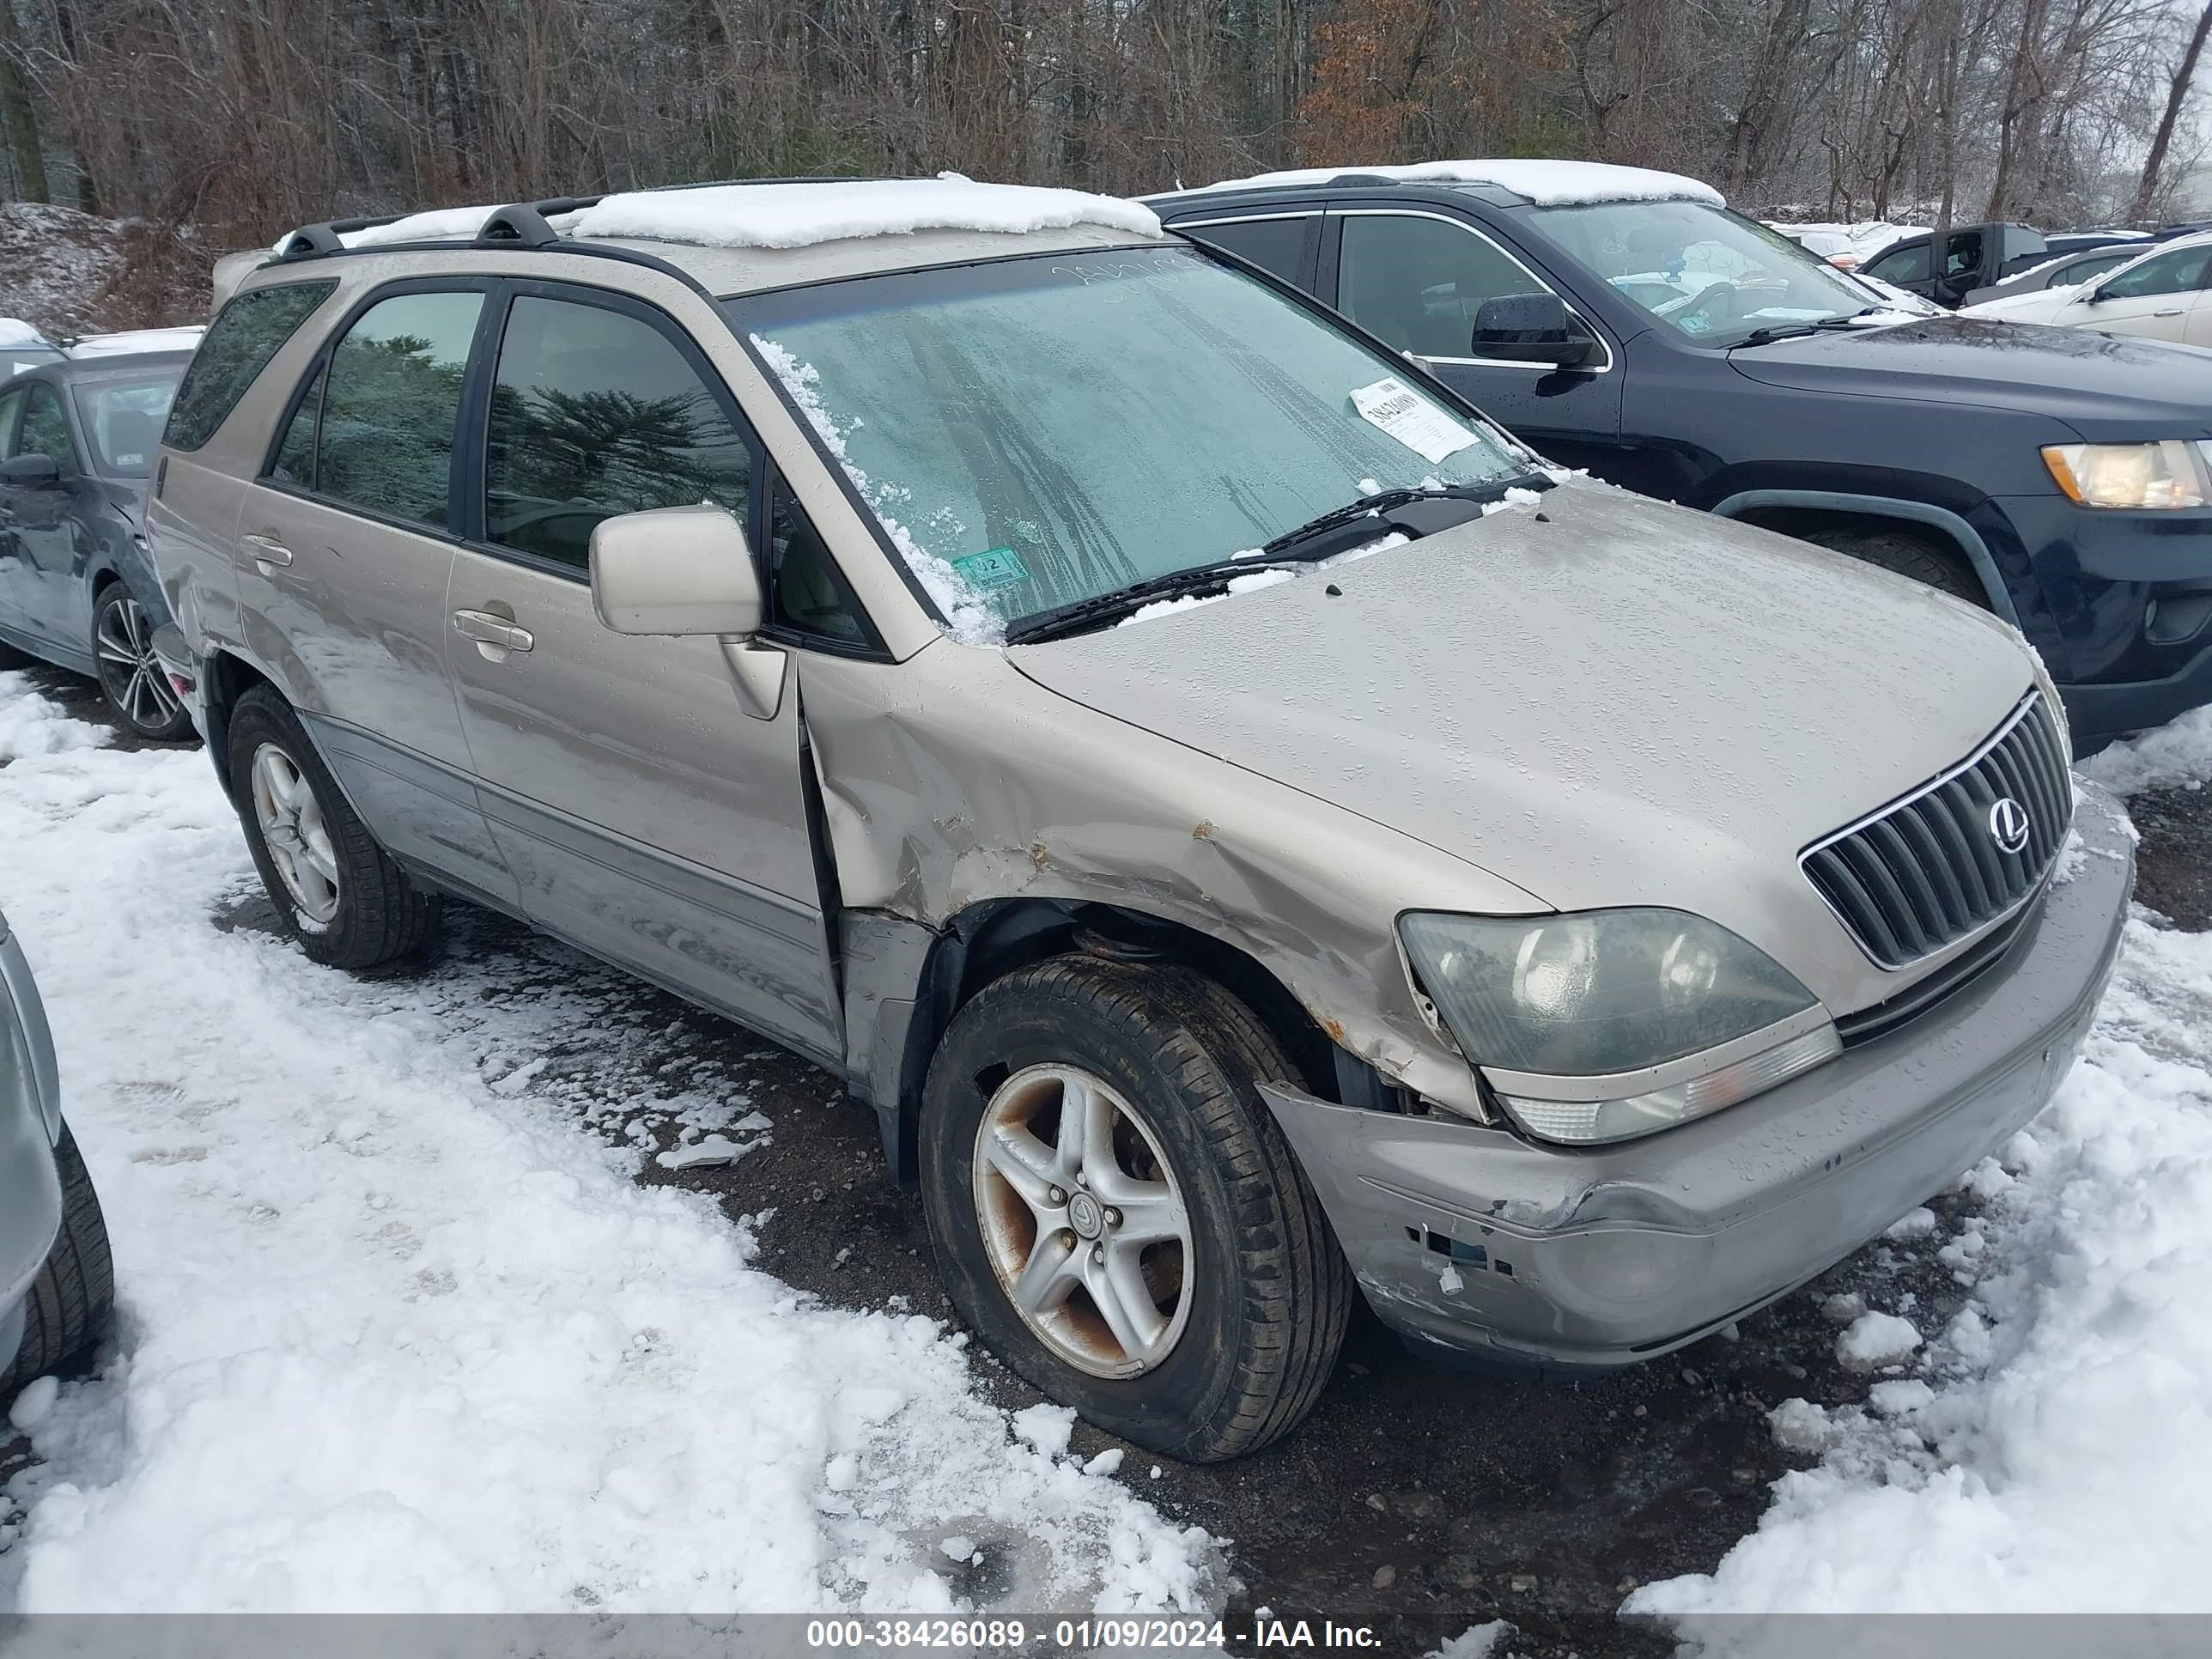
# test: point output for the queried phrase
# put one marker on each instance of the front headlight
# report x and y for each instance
(2173, 472)
(1610, 1024)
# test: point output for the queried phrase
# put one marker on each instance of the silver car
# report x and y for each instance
(1253, 833)
(57, 1277)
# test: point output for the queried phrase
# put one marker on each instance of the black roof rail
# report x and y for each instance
(523, 223)
(310, 239)
(325, 238)
(1367, 180)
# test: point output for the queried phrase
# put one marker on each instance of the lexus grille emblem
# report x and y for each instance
(2009, 825)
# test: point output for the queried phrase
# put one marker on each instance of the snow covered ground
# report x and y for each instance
(2046, 1447)
(400, 1332)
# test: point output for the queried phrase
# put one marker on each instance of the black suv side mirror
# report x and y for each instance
(31, 472)
(1531, 328)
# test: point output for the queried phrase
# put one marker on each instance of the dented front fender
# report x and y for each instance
(951, 779)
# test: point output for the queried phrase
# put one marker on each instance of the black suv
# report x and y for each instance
(1627, 322)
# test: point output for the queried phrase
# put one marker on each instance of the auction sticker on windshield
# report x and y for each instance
(1409, 417)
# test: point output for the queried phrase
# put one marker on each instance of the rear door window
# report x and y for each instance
(236, 347)
(595, 412)
(392, 400)
(2084, 271)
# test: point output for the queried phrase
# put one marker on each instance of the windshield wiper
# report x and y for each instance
(1338, 530)
(1073, 618)
(1773, 331)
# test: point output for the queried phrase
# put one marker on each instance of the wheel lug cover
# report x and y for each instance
(1058, 1195)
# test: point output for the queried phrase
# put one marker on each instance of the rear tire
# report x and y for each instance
(74, 1294)
(1252, 1299)
(1917, 557)
(340, 894)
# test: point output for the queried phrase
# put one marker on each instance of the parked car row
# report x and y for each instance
(2164, 293)
(1679, 351)
(77, 439)
(1254, 832)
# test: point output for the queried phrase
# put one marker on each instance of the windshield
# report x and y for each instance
(1705, 273)
(1034, 432)
(124, 419)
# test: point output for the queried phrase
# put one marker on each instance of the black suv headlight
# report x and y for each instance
(1610, 1024)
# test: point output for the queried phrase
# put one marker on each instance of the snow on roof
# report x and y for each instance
(133, 341)
(801, 214)
(1551, 183)
(795, 214)
(15, 332)
(438, 225)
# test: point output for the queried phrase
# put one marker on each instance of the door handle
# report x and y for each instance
(2176, 311)
(491, 632)
(267, 551)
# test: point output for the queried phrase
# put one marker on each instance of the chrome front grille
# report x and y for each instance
(1929, 869)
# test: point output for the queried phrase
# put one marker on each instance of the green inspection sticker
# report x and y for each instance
(999, 568)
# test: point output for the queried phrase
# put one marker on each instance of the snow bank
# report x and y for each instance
(800, 215)
(2058, 1457)
(32, 725)
(399, 1334)
(1552, 182)
(14, 331)
(2175, 755)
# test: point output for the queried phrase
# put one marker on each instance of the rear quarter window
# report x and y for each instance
(239, 344)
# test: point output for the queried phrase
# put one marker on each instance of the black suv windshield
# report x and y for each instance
(1038, 431)
(1705, 272)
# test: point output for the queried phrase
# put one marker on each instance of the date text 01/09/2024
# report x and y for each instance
(1125, 1634)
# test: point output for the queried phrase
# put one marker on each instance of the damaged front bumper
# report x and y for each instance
(1473, 1240)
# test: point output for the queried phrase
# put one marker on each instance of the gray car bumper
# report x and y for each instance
(1475, 1240)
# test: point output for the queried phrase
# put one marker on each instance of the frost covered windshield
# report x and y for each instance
(1703, 272)
(1038, 431)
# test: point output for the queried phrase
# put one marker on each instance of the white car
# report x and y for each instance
(2160, 295)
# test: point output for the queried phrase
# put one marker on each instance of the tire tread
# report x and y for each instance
(71, 1300)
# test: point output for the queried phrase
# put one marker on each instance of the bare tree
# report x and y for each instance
(2176, 95)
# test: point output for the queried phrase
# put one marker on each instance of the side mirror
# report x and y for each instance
(1531, 328)
(31, 472)
(680, 570)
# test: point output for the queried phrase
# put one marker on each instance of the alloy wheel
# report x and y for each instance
(292, 828)
(1083, 1220)
(130, 673)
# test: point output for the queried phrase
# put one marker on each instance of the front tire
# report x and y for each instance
(74, 1294)
(341, 895)
(1115, 1211)
(131, 676)
(1905, 554)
